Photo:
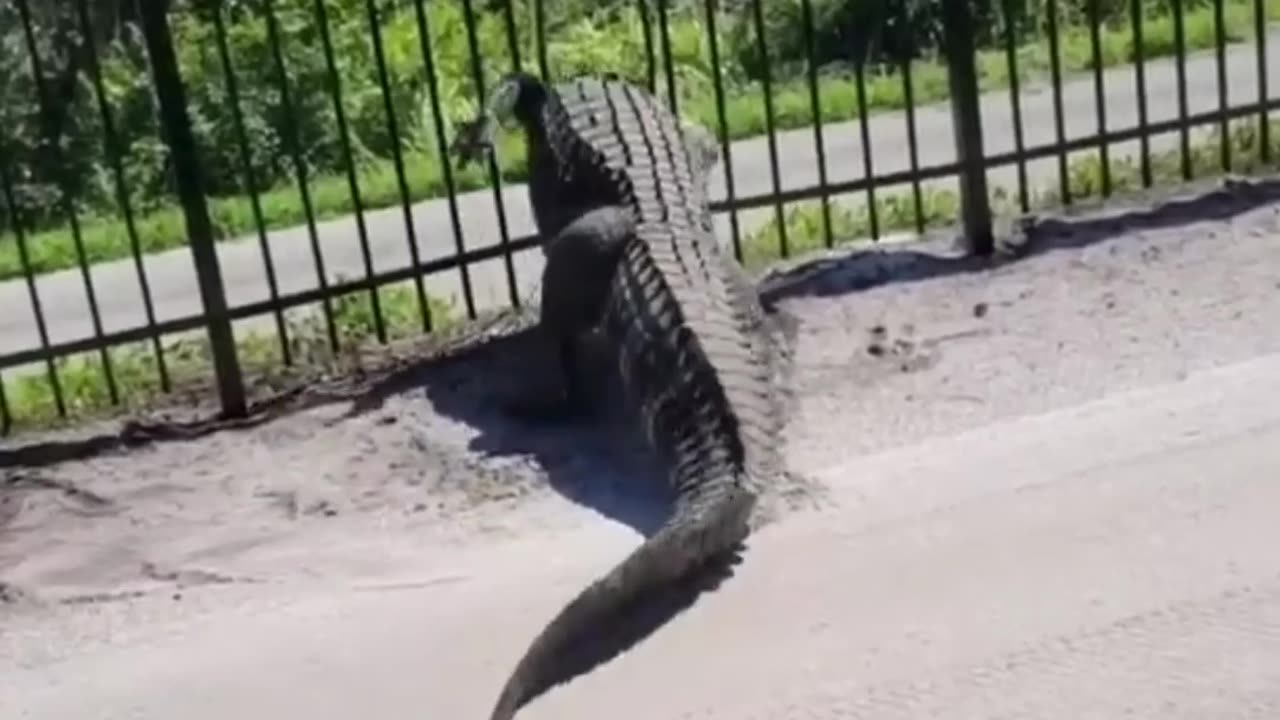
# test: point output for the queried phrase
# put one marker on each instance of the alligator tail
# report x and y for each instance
(708, 521)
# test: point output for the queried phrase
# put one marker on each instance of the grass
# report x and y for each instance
(31, 401)
(105, 237)
(896, 211)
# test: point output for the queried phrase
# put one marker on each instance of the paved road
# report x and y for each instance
(1112, 559)
(173, 282)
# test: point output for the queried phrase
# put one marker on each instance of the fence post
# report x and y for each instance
(966, 116)
(176, 125)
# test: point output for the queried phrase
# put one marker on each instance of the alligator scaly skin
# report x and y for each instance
(619, 195)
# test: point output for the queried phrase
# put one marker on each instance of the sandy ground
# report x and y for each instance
(1049, 492)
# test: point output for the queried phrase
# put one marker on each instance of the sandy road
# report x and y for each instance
(1112, 559)
(1063, 506)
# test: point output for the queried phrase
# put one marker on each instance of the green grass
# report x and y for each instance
(105, 238)
(32, 402)
(30, 397)
(895, 211)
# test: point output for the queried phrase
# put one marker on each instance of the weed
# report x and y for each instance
(940, 207)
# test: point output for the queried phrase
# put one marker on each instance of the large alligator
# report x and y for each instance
(619, 194)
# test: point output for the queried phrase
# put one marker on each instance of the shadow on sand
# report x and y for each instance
(596, 460)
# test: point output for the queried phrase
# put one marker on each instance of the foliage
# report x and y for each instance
(581, 36)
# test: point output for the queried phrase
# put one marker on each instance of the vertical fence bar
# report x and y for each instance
(1099, 94)
(646, 29)
(111, 140)
(1180, 65)
(24, 257)
(1059, 121)
(815, 107)
(906, 60)
(966, 113)
(186, 164)
(513, 39)
(294, 144)
(495, 176)
(397, 159)
(513, 47)
(1264, 117)
(766, 86)
(726, 149)
(864, 132)
(540, 36)
(251, 180)
(1220, 46)
(6, 416)
(669, 64)
(442, 153)
(1015, 101)
(64, 193)
(353, 185)
(1140, 89)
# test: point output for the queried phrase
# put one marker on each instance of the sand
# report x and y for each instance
(999, 445)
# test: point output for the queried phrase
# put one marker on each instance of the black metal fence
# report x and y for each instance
(315, 129)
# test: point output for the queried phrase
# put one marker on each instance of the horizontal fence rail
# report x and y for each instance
(208, 190)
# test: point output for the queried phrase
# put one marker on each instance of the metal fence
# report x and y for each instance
(204, 126)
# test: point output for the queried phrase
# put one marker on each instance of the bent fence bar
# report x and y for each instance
(316, 130)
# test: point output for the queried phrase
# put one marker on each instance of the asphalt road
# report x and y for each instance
(175, 292)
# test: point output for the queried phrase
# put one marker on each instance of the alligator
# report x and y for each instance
(618, 187)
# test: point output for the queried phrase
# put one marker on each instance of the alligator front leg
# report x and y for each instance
(580, 264)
